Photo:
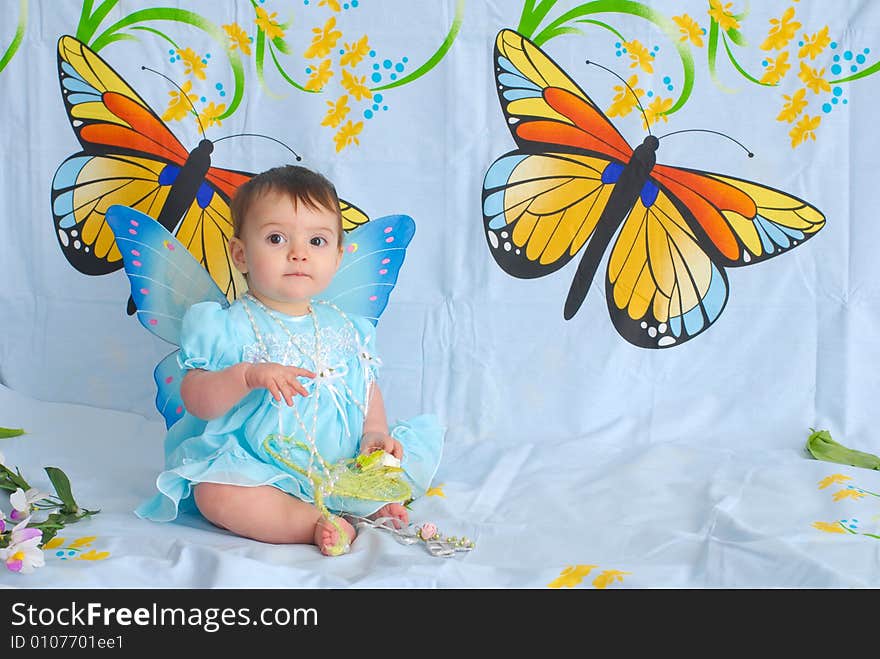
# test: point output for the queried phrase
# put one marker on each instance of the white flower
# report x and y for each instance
(22, 501)
(23, 554)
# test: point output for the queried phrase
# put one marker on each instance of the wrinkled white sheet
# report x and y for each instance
(670, 515)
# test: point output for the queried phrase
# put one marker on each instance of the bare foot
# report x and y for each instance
(327, 537)
(398, 514)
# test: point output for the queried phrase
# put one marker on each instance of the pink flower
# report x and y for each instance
(427, 531)
(23, 553)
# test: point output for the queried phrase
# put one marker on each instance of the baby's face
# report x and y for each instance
(289, 252)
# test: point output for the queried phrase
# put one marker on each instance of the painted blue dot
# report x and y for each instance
(398, 68)
(666, 80)
(204, 61)
(764, 62)
(847, 55)
(172, 60)
(845, 101)
(853, 68)
(836, 58)
(305, 2)
(372, 53)
(222, 93)
(653, 54)
(618, 54)
(387, 64)
(624, 49)
(171, 52)
(617, 44)
(837, 91)
(376, 77)
(377, 98)
(208, 55)
(354, 3)
(368, 114)
(826, 107)
(866, 51)
(835, 69)
(375, 67)
(345, 6)
(669, 88)
(703, 30)
(375, 107)
(219, 85)
(308, 70)
(71, 553)
(59, 553)
(834, 100)
(385, 107)
(341, 52)
(860, 58)
(650, 94)
(833, 45)
(203, 99)
(394, 76)
(656, 48)
(406, 59)
(800, 43)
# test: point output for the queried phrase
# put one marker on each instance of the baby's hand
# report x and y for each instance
(374, 441)
(280, 380)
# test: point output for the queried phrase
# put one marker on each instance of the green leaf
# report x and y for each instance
(62, 489)
(6, 433)
(737, 37)
(10, 480)
(822, 447)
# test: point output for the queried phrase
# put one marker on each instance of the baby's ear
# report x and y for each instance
(236, 251)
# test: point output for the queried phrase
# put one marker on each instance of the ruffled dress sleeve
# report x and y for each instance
(207, 338)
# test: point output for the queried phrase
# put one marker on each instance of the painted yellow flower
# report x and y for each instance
(833, 478)
(847, 493)
(571, 576)
(355, 52)
(639, 56)
(84, 541)
(804, 130)
(689, 29)
(93, 555)
(655, 111)
(348, 135)
(337, 112)
(782, 31)
(436, 491)
(815, 44)
(776, 69)
(723, 15)
(238, 38)
(332, 4)
(321, 75)
(210, 115)
(180, 104)
(608, 577)
(624, 100)
(355, 86)
(324, 40)
(192, 63)
(813, 79)
(267, 23)
(53, 543)
(829, 527)
(794, 105)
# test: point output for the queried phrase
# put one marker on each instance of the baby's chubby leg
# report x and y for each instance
(267, 514)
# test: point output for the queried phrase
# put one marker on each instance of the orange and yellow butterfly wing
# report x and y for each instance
(666, 281)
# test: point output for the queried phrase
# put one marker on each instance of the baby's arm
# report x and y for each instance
(210, 394)
(375, 434)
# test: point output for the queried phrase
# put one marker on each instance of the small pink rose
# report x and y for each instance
(427, 531)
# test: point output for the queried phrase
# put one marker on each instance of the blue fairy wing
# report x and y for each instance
(168, 376)
(166, 279)
(371, 260)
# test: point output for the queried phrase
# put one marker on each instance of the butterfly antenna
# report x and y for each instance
(714, 132)
(263, 136)
(636, 96)
(183, 94)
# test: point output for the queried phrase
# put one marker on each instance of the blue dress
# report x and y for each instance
(233, 448)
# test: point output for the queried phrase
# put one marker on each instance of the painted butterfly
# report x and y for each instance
(166, 280)
(130, 157)
(574, 181)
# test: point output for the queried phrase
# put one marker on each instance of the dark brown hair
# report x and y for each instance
(300, 184)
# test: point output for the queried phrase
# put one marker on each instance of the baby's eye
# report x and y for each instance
(275, 238)
(318, 241)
